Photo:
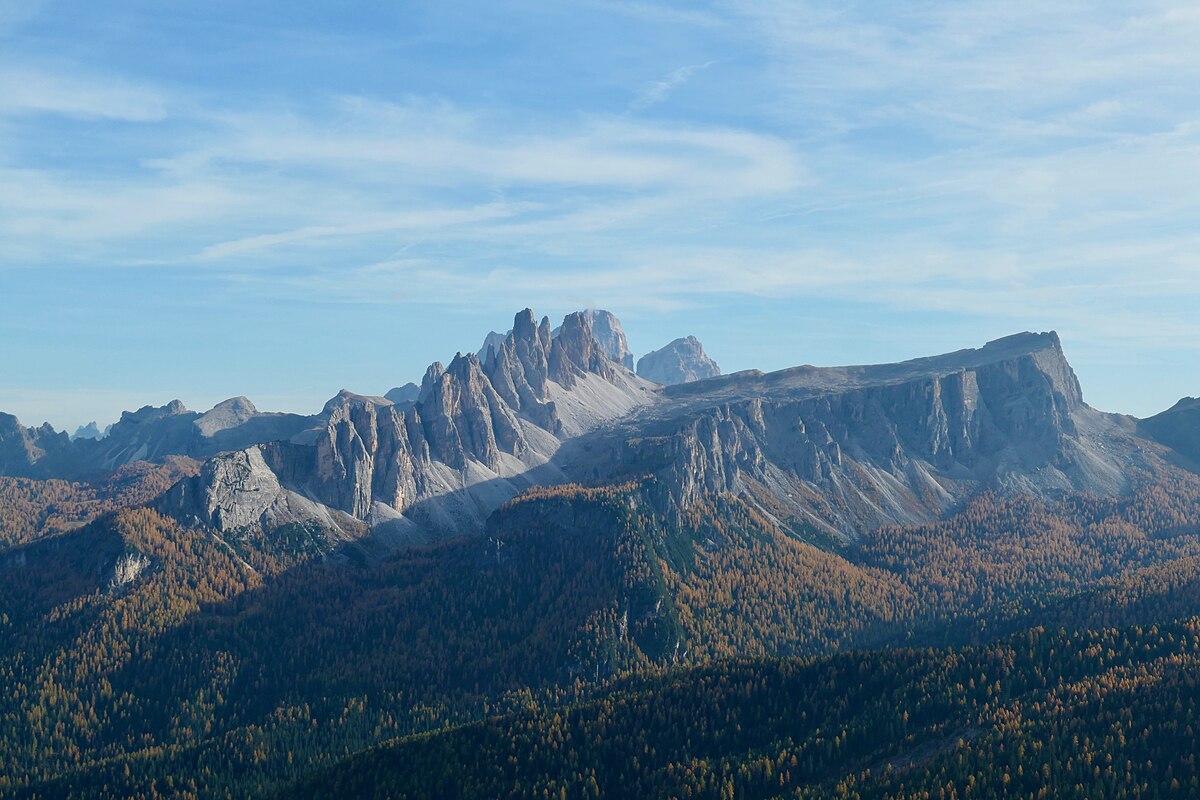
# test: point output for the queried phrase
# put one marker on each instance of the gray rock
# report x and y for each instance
(845, 449)
(225, 415)
(127, 569)
(837, 450)
(681, 361)
(609, 335)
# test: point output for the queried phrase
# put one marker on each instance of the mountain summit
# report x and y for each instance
(681, 361)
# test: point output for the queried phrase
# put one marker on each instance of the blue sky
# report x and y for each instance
(200, 200)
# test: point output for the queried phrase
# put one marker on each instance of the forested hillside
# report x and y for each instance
(30, 509)
(1042, 714)
(151, 659)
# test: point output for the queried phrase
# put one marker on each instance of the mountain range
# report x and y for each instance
(232, 602)
(825, 450)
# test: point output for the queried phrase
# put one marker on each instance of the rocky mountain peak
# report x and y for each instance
(470, 439)
(491, 345)
(90, 431)
(524, 324)
(611, 336)
(226, 414)
(149, 413)
(346, 398)
(1044, 350)
(21, 448)
(433, 374)
(608, 333)
(681, 361)
(837, 448)
(576, 351)
(404, 395)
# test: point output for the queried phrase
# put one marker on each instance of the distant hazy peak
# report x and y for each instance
(408, 393)
(89, 431)
(681, 361)
(493, 341)
(348, 398)
(150, 413)
(226, 414)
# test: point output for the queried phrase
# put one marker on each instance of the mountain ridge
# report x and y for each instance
(836, 449)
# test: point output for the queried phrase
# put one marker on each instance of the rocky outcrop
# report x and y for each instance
(575, 352)
(126, 570)
(232, 413)
(681, 361)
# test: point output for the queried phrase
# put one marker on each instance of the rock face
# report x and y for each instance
(835, 450)
(841, 450)
(609, 334)
(681, 361)
(477, 433)
(127, 569)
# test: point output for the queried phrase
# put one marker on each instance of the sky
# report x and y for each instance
(279, 200)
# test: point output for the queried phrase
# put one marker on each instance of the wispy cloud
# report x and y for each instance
(39, 91)
(422, 221)
(1023, 164)
(284, 179)
(656, 91)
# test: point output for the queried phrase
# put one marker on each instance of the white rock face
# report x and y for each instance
(681, 361)
(608, 332)
(609, 336)
(242, 488)
(127, 570)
